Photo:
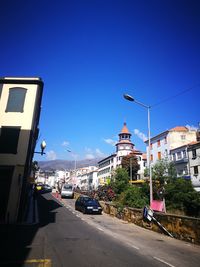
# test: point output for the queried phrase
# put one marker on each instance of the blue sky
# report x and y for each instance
(89, 53)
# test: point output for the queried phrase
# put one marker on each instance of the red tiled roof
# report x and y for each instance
(125, 129)
(179, 129)
(194, 143)
(144, 156)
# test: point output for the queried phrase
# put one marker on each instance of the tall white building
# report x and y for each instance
(124, 147)
(20, 106)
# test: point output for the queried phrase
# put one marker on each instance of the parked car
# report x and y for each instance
(87, 204)
(43, 188)
(67, 191)
(46, 188)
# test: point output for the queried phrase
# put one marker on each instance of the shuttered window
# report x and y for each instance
(9, 137)
(16, 99)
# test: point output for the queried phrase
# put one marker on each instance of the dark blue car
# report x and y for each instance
(87, 204)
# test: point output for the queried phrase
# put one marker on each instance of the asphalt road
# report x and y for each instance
(67, 238)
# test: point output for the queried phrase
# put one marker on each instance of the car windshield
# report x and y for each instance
(91, 201)
(68, 187)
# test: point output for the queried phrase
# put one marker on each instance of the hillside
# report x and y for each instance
(66, 164)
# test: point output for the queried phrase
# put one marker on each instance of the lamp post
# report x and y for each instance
(42, 147)
(68, 150)
(130, 98)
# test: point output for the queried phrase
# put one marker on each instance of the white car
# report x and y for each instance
(67, 191)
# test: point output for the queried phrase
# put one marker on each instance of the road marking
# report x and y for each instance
(164, 262)
(38, 262)
(135, 247)
(100, 229)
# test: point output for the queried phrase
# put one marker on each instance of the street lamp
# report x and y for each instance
(42, 147)
(130, 98)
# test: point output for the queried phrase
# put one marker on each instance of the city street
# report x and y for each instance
(65, 237)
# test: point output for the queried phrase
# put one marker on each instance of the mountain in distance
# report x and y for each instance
(53, 165)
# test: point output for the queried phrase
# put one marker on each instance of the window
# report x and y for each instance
(165, 140)
(196, 170)
(194, 154)
(184, 154)
(179, 155)
(183, 137)
(159, 155)
(151, 146)
(185, 171)
(151, 157)
(16, 99)
(9, 137)
(174, 156)
(158, 143)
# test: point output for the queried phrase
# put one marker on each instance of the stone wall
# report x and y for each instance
(181, 227)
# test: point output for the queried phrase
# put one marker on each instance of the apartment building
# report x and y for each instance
(194, 164)
(186, 160)
(20, 105)
(88, 180)
(163, 143)
(124, 147)
(180, 158)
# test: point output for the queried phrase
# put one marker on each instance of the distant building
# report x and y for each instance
(88, 180)
(20, 106)
(123, 148)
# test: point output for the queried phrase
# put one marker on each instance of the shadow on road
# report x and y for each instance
(16, 240)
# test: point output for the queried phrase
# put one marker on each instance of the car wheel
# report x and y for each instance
(84, 210)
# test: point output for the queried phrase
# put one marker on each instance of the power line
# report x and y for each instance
(171, 97)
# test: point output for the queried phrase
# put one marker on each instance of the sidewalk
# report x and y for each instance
(17, 239)
(31, 215)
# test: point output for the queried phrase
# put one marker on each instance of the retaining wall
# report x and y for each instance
(181, 227)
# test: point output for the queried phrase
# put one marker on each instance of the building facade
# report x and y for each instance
(180, 158)
(20, 105)
(124, 147)
(163, 143)
(194, 164)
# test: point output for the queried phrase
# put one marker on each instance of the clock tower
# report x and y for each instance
(124, 144)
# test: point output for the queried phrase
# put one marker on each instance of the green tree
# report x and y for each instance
(120, 180)
(133, 197)
(180, 195)
(163, 172)
(35, 166)
(130, 163)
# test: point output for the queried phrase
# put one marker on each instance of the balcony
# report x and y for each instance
(182, 160)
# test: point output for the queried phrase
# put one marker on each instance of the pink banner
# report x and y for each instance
(157, 205)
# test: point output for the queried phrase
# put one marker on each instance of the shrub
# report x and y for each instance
(133, 197)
